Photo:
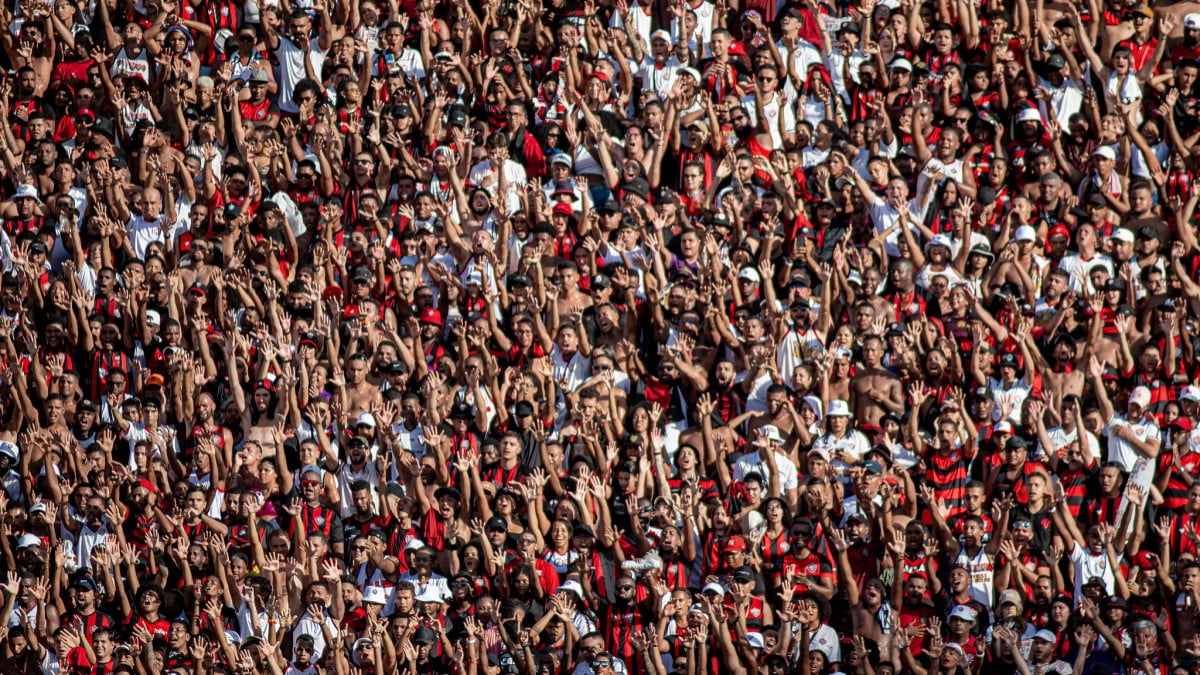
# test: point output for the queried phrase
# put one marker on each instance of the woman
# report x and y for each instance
(773, 545)
(559, 553)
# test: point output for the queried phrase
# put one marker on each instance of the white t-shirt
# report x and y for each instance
(778, 105)
(291, 70)
(853, 444)
(1088, 565)
(788, 479)
(142, 233)
(485, 176)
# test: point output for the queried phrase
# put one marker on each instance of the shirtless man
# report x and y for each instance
(874, 391)
(206, 424)
(570, 298)
(778, 413)
(1061, 375)
(361, 395)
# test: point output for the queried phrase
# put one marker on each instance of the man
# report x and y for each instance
(846, 446)
(768, 460)
(1134, 438)
(874, 391)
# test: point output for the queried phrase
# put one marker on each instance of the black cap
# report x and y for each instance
(610, 206)
(743, 573)
(639, 187)
(582, 530)
(1016, 443)
(895, 328)
(462, 410)
(601, 281)
(1008, 359)
(519, 280)
(103, 126)
(424, 636)
(447, 491)
(456, 118)
(496, 523)
(523, 409)
(1056, 62)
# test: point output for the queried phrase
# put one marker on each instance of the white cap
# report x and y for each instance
(25, 190)
(1029, 115)
(1025, 233)
(755, 640)
(10, 450)
(748, 272)
(29, 540)
(962, 654)
(661, 34)
(414, 545)
(714, 587)
(938, 240)
(1004, 427)
(838, 408)
(1010, 596)
(375, 595)
(1124, 234)
(430, 594)
(688, 70)
(963, 612)
(1190, 393)
(1191, 21)
(153, 318)
(771, 433)
(1140, 396)
(365, 419)
(1106, 152)
(901, 64)
(1046, 636)
(571, 586)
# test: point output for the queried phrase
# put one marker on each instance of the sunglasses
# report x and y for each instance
(309, 483)
(625, 587)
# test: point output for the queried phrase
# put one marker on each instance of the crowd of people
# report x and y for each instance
(656, 337)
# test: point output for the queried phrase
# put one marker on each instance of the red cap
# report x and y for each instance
(331, 292)
(563, 209)
(431, 315)
(1182, 423)
(350, 311)
(735, 543)
(144, 482)
(1143, 560)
